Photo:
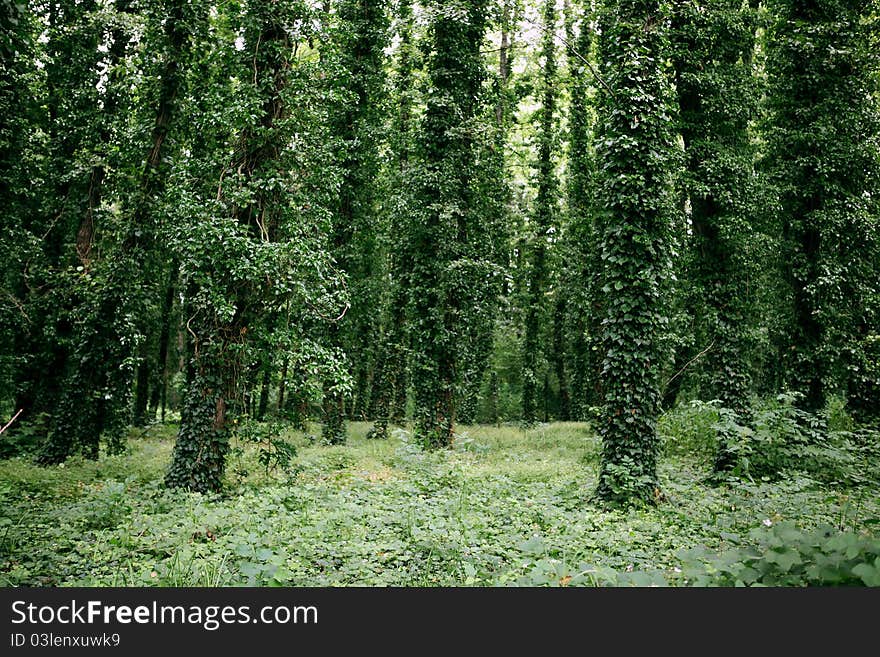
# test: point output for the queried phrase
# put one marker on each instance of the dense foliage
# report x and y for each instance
(821, 67)
(447, 265)
(714, 46)
(249, 216)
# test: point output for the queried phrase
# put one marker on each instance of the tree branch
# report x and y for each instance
(688, 364)
(20, 410)
(576, 53)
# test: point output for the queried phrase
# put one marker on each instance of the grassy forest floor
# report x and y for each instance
(505, 506)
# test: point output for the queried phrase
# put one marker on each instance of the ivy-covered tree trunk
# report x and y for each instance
(92, 373)
(634, 151)
(560, 355)
(544, 221)
(362, 34)
(45, 288)
(822, 66)
(110, 316)
(580, 273)
(717, 97)
(199, 457)
(490, 235)
(333, 414)
(441, 232)
(402, 140)
(111, 104)
(214, 391)
(389, 390)
(160, 376)
(388, 403)
(565, 315)
(19, 107)
(263, 404)
(253, 239)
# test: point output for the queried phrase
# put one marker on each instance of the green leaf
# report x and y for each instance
(869, 574)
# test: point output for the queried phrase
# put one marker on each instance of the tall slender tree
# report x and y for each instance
(544, 219)
(635, 151)
(390, 381)
(362, 31)
(717, 89)
(580, 273)
(92, 401)
(252, 247)
(440, 274)
(19, 106)
(63, 117)
(489, 250)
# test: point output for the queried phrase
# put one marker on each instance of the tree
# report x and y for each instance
(579, 274)
(821, 67)
(390, 380)
(544, 219)
(635, 151)
(19, 105)
(253, 242)
(362, 33)
(489, 240)
(717, 89)
(441, 272)
(73, 186)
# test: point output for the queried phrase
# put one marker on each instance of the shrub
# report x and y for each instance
(273, 452)
(784, 437)
(690, 429)
(787, 556)
(104, 505)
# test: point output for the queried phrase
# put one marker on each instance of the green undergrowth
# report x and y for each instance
(505, 506)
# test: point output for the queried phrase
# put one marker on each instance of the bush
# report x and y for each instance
(784, 437)
(787, 556)
(25, 438)
(690, 429)
(273, 452)
(104, 505)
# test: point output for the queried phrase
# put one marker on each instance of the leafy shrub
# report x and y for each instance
(787, 556)
(865, 382)
(273, 452)
(25, 438)
(690, 429)
(104, 505)
(838, 417)
(764, 448)
(784, 437)
(846, 457)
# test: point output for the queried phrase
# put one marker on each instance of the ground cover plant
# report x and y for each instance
(504, 506)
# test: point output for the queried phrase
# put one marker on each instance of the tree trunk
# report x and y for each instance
(142, 388)
(281, 387)
(264, 392)
(635, 156)
(560, 355)
(160, 384)
(544, 220)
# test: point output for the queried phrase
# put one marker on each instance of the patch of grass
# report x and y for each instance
(503, 506)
